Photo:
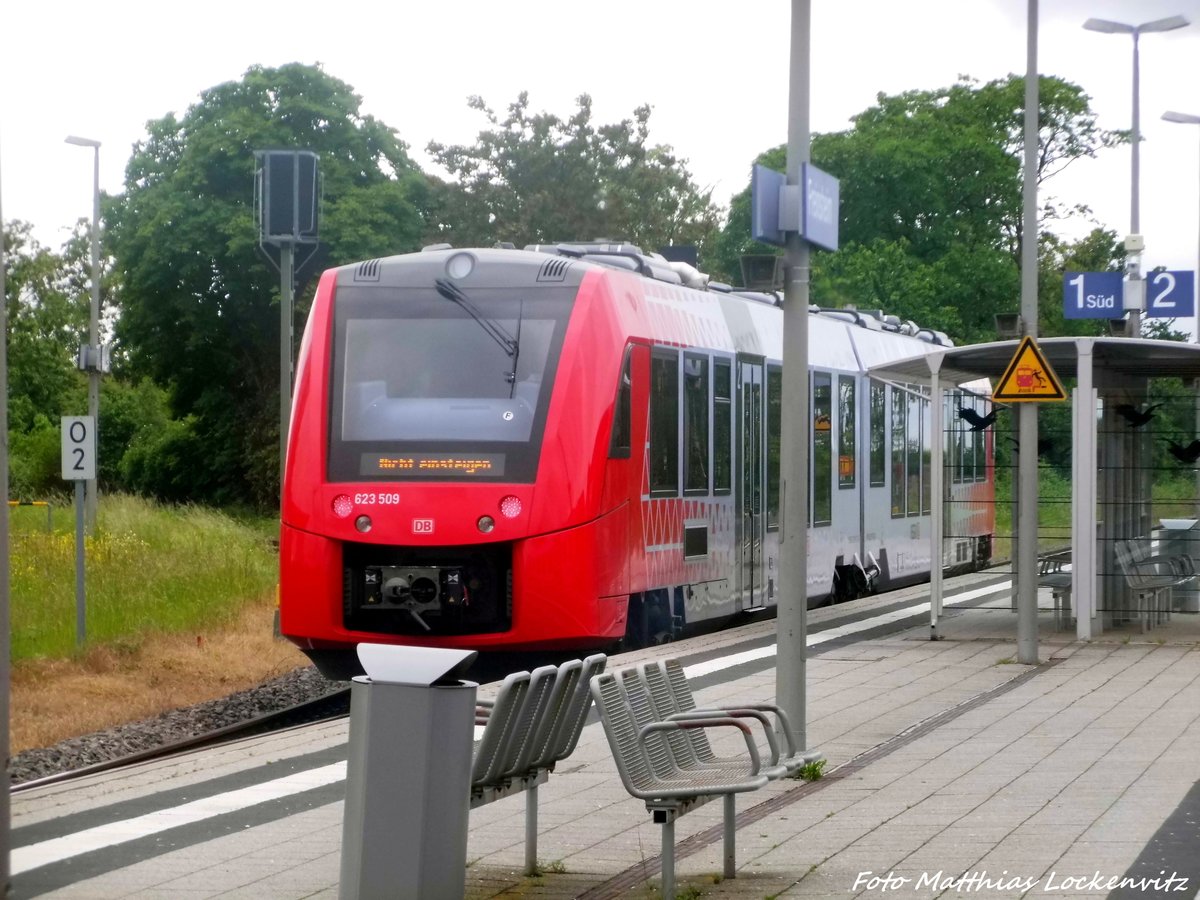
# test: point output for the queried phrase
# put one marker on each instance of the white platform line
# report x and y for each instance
(103, 836)
(829, 634)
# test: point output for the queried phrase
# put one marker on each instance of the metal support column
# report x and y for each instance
(792, 621)
(1027, 532)
(1083, 496)
(937, 492)
(287, 284)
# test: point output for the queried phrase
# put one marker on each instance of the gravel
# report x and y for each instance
(101, 746)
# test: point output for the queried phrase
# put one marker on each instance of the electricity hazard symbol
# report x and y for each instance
(1029, 377)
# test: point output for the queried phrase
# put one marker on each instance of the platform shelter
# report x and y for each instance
(1130, 424)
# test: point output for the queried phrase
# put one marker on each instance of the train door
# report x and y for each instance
(751, 482)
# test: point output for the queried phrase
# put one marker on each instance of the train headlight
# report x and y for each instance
(510, 507)
(342, 506)
(460, 265)
(485, 524)
(363, 524)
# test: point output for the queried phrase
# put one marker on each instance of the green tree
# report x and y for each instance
(47, 321)
(536, 178)
(199, 306)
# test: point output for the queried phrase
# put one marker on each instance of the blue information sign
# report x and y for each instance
(1093, 295)
(1170, 295)
(765, 185)
(821, 208)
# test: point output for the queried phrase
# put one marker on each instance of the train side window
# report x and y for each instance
(822, 455)
(722, 426)
(664, 423)
(878, 428)
(912, 434)
(899, 411)
(622, 428)
(695, 424)
(847, 451)
(774, 442)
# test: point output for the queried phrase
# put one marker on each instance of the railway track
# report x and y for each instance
(333, 705)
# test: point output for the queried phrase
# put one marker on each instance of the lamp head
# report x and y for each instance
(1168, 24)
(1108, 27)
(82, 141)
(1185, 118)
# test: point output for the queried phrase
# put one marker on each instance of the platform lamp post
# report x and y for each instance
(287, 197)
(90, 359)
(1105, 26)
(1189, 119)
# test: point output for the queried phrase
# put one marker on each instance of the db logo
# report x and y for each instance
(422, 526)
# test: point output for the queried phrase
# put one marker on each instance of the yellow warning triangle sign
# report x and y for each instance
(1029, 377)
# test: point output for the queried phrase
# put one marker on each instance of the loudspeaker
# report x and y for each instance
(761, 272)
(288, 196)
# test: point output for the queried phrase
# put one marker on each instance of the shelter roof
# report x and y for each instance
(1121, 356)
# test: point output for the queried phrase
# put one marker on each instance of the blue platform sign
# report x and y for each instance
(1093, 295)
(821, 207)
(1170, 295)
(765, 188)
(810, 208)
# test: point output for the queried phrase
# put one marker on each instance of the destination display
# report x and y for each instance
(431, 465)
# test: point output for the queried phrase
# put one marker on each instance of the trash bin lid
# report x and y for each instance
(1178, 524)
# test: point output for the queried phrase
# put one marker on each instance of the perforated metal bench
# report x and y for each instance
(1151, 578)
(1053, 574)
(672, 698)
(672, 786)
(533, 724)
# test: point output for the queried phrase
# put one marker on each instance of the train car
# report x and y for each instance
(572, 446)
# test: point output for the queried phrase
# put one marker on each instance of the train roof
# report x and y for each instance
(630, 257)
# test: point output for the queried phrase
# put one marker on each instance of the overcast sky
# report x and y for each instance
(715, 74)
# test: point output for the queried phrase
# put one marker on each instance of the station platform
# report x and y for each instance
(953, 771)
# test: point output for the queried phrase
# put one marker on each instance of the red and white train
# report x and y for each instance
(564, 447)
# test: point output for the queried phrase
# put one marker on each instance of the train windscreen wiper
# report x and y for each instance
(497, 332)
(494, 329)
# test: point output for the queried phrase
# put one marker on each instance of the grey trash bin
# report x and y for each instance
(1181, 537)
(408, 775)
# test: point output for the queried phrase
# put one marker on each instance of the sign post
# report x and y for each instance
(79, 465)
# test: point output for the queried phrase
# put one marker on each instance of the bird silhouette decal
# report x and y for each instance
(1137, 417)
(1044, 445)
(975, 420)
(1186, 455)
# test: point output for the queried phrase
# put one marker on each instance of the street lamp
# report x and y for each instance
(93, 352)
(1106, 26)
(1189, 119)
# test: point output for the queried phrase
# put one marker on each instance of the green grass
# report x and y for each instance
(148, 569)
(1173, 495)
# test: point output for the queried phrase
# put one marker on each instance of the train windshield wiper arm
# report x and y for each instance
(494, 329)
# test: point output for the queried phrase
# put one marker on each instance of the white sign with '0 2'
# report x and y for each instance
(78, 448)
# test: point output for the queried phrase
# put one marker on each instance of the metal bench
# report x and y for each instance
(533, 723)
(1151, 577)
(677, 696)
(650, 771)
(1053, 574)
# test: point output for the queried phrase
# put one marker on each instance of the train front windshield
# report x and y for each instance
(442, 384)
